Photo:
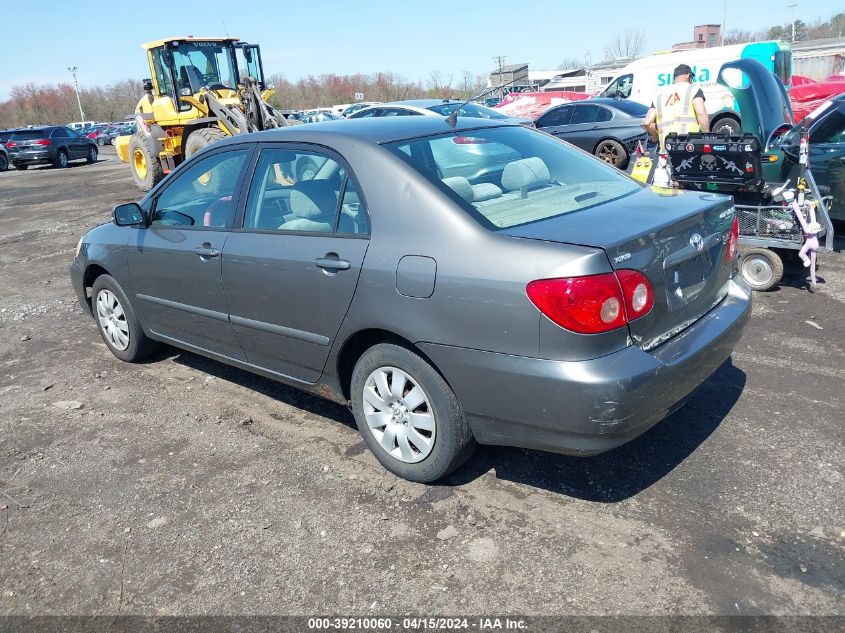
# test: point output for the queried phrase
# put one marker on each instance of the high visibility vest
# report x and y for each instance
(675, 112)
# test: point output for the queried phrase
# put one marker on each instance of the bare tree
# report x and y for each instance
(627, 44)
(570, 64)
(741, 36)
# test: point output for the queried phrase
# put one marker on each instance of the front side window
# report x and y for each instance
(509, 176)
(304, 191)
(201, 196)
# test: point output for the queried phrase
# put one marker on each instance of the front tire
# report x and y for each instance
(117, 323)
(612, 153)
(761, 268)
(147, 169)
(408, 415)
(202, 138)
(92, 155)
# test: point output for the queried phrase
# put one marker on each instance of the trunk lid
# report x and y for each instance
(676, 239)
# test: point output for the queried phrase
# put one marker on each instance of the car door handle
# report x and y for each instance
(205, 251)
(332, 264)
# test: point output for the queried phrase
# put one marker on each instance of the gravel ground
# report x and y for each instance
(183, 486)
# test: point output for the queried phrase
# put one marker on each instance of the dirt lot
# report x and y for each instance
(182, 486)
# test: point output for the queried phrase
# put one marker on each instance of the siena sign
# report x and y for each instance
(667, 79)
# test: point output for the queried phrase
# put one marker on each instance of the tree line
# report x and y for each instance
(35, 104)
(820, 29)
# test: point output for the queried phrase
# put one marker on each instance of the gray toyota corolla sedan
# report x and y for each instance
(486, 283)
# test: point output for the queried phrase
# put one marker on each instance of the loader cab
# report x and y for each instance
(182, 67)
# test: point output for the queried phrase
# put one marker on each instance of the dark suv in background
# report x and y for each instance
(4, 153)
(55, 145)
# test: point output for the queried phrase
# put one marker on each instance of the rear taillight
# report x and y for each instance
(44, 141)
(11, 144)
(639, 296)
(733, 241)
(593, 304)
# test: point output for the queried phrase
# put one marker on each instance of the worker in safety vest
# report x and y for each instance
(678, 108)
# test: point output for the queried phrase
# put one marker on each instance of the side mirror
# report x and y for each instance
(128, 214)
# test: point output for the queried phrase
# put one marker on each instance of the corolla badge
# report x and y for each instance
(696, 241)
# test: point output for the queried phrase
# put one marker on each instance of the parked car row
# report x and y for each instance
(55, 145)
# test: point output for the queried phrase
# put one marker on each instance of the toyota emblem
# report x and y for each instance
(696, 241)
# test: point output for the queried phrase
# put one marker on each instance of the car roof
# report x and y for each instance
(377, 130)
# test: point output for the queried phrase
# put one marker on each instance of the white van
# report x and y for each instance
(81, 125)
(642, 79)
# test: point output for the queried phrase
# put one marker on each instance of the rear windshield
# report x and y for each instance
(28, 135)
(509, 176)
(471, 109)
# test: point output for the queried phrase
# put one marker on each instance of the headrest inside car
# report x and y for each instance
(528, 173)
(313, 199)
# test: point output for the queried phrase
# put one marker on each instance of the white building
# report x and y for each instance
(591, 79)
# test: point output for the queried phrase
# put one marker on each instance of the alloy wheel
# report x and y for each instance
(399, 414)
(112, 319)
(608, 153)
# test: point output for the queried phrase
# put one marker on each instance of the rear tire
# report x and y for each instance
(424, 393)
(761, 268)
(202, 138)
(4, 162)
(101, 141)
(146, 167)
(61, 160)
(612, 153)
(117, 323)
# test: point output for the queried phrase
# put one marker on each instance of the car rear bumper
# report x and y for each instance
(589, 407)
(30, 158)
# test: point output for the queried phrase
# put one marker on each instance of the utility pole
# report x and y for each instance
(724, 23)
(792, 8)
(500, 60)
(73, 70)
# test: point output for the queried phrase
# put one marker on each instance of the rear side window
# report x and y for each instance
(59, 132)
(506, 177)
(585, 114)
(304, 191)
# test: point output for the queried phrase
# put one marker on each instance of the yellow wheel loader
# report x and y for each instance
(201, 90)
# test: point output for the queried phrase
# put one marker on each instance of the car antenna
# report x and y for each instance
(452, 119)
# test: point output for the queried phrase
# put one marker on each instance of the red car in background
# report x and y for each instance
(530, 105)
(806, 95)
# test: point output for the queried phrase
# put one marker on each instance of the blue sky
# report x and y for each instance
(348, 36)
